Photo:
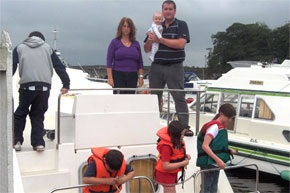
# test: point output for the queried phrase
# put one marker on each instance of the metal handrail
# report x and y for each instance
(86, 185)
(71, 187)
(145, 178)
(132, 89)
(195, 175)
(227, 168)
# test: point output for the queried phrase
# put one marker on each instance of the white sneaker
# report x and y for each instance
(17, 146)
(39, 148)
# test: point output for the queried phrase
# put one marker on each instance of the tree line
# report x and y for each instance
(254, 42)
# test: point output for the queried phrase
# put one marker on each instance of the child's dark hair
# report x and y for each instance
(37, 34)
(114, 159)
(227, 109)
(174, 130)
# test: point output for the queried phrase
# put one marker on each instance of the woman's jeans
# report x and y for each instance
(125, 80)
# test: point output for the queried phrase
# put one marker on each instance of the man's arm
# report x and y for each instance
(172, 43)
(125, 178)
(148, 44)
(15, 60)
(177, 43)
(98, 181)
(61, 72)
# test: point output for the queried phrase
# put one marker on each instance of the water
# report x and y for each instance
(244, 180)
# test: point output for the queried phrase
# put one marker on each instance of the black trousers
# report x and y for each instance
(34, 103)
(125, 80)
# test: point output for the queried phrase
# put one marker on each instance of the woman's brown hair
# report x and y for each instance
(132, 35)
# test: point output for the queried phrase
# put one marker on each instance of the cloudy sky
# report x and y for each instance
(86, 27)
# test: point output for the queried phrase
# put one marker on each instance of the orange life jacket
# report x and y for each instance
(98, 155)
(178, 155)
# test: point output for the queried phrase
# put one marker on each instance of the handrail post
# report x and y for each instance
(58, 121)
(197, 112)
(140, 186)
(168, 107)
(257, 176)
(146, 178)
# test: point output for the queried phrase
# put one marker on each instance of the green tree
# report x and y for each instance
(256, 42)
(280, 42)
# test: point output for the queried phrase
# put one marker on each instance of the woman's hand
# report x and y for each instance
(111, 82)
(140, 82)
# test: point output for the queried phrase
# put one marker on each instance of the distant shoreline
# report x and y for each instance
(101, 70)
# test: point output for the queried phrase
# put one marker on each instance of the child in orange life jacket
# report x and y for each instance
(107, 170)
(173, 157)
(213, 149)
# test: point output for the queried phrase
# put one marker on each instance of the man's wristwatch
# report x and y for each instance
(141, 76)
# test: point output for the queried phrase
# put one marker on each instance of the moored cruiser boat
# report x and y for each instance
(261, 130)
(88, 120)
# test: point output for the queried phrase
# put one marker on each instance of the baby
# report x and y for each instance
(156, 27)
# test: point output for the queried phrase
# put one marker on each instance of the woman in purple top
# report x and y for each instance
(124, 58)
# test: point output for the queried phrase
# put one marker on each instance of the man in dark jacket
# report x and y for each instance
(36, 60)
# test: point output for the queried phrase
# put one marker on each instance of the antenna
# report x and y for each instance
(54, 39)
(81, 67)
(96, 73)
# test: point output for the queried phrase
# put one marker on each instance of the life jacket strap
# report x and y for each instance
(181, 178)
(218, 151)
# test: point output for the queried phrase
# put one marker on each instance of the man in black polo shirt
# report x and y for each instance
(167, 67)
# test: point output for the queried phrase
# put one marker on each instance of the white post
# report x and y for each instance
(6, 150)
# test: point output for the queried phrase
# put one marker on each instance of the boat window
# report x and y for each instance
(208, 103)
(143, 165)
(230, 98)
(246, 108)
(263, 111)
(286, 134)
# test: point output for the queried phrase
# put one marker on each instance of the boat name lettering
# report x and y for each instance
(257, 82)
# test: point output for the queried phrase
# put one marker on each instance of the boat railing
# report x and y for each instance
(87, 185)
(137, 90)
(196, 174)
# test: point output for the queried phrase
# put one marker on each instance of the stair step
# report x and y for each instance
(45, 181)
(32, 161)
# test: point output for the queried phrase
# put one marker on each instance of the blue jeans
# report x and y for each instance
(34, 104)
(125, 80)
(209, 180)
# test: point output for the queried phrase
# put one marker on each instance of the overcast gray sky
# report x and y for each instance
(86, 27)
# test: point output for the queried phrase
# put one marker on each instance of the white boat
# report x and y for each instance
(104, 120)
(191, 80)
(261, 130)
(88, 119)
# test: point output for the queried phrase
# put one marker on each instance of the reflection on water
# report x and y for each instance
(243, 180)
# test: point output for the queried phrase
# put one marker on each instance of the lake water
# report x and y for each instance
(243, 180)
